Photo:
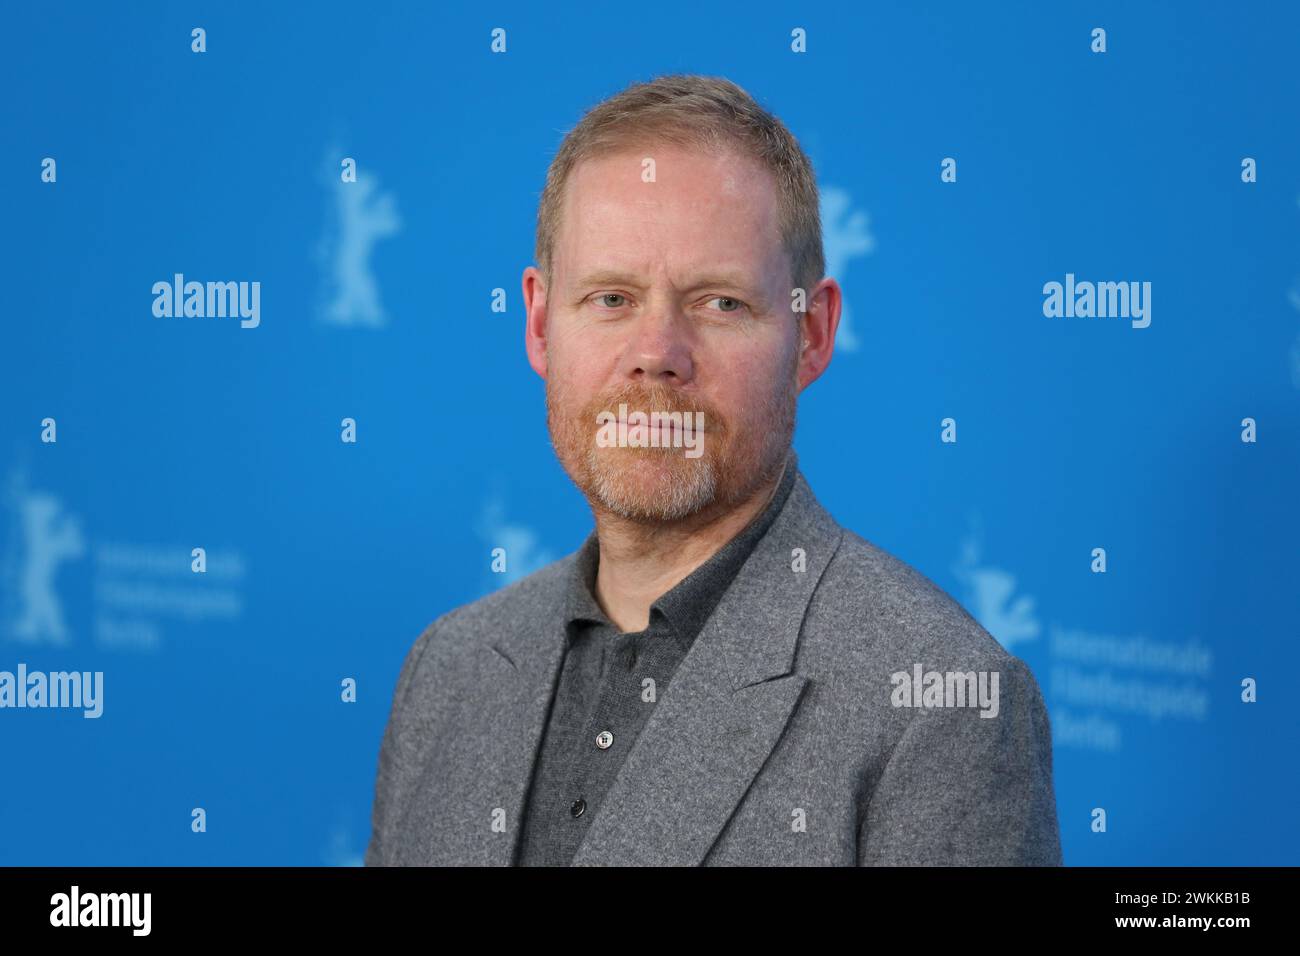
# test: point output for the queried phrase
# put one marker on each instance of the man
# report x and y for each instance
(721, 674)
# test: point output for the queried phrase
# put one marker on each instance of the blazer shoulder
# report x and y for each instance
(876, 594)
(528, 598)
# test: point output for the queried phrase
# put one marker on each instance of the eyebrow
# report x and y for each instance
(614, 277)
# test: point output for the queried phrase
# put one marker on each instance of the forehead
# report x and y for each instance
(704, 211)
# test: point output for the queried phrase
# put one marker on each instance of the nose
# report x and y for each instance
(659, 351)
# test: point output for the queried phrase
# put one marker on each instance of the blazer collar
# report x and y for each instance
(689, 604)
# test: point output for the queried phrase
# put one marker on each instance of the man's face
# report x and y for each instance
(670, 296)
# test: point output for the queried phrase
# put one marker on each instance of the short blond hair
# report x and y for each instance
(705, 112)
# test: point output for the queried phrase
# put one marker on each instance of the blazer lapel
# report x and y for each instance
(470, 807)
(724, 709)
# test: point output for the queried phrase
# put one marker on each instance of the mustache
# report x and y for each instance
(652, 399)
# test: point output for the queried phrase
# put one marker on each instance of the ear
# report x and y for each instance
(817, 328)
(534, 284)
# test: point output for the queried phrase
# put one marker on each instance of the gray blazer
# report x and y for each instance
(786, 736)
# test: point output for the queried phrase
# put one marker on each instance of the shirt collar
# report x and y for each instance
(689, 603)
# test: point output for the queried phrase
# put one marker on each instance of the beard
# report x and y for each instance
(741, 453)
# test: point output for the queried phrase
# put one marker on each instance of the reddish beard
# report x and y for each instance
(656, 485)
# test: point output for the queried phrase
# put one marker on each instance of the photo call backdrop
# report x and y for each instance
(1114, 497)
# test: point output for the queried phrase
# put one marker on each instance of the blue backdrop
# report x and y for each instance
(325, 559)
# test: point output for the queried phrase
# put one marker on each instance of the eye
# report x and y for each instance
(605, 296)
(728, 303)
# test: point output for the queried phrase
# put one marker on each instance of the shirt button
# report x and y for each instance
(604, 739)
(578, 806)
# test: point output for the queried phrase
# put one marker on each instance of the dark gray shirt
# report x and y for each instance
(608, 685)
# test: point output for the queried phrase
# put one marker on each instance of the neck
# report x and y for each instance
(641, 562)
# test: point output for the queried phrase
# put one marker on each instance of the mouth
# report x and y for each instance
(663, 427)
